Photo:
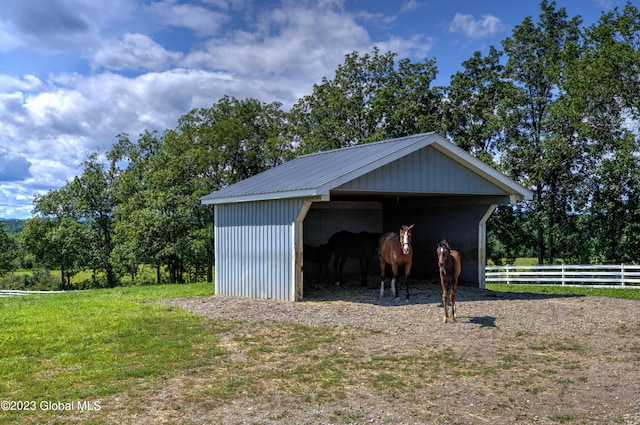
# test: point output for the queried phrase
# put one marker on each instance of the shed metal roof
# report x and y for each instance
(315, 175)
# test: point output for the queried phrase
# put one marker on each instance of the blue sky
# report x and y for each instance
(75, 73)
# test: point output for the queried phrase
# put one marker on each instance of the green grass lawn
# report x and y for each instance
(614, 292)
(83, 345)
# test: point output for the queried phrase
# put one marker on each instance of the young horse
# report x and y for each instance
(449, 265)
(395, 249)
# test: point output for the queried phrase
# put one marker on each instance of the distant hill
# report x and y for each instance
(12, 225)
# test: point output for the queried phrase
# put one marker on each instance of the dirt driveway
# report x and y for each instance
(510, 359)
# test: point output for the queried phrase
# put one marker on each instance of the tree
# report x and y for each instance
(612, 220)
(473, 105)
(59, 243)
(600, 97)
(8, 252)
(87, 198)
(369, 99)
(137, 226)
(531, 151)
(95, 203)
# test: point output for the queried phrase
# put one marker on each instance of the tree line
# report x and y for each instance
(556, 107)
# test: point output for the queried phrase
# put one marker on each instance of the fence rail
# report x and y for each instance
(565, 274)
(14, 292)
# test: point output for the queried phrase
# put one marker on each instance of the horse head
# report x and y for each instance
(405, 238)
(443, 254)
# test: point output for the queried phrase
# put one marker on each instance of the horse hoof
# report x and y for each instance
(444, 320)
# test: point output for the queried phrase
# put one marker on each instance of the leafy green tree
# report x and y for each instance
(531, 151)
(87, 198)
(612, 220)
(136, 224)
(600, 98)
(8, 252)
(93, 194)
(42, 238)
(370, 98)
(57, 244)
(474, 102)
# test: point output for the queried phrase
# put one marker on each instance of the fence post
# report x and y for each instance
(622, 274)
(508, 274)
(562, 274)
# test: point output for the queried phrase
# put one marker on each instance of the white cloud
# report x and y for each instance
(416, 45)
(201, 20)
(410, 6)
(486, 26)
(135, 52)
(298, 41)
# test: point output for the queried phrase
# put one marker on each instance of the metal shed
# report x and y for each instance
(261, 223)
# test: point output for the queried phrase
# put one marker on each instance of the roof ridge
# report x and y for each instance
(361, 145)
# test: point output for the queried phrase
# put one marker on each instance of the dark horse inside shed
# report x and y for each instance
(362, 246)
(320, 255)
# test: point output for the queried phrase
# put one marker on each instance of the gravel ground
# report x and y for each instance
(556, 359)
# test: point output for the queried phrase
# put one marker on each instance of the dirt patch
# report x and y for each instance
(509, 359)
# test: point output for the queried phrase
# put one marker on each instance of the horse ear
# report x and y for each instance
(411, 227)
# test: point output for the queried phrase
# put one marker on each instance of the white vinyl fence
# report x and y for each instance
(14, 292)
(570, 275)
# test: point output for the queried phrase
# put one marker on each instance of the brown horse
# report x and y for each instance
(395, 249)
(450, 268)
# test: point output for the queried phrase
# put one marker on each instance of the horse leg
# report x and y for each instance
(336, 260)
(454, 284)
(343, 260)
(383, 265)
(445, 300)
(407, 274)
(394, 268)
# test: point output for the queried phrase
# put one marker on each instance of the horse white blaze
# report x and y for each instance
(442, 251)
(405, 243)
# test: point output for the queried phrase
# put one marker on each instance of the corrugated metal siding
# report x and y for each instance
(424, 171)
(255, 250)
